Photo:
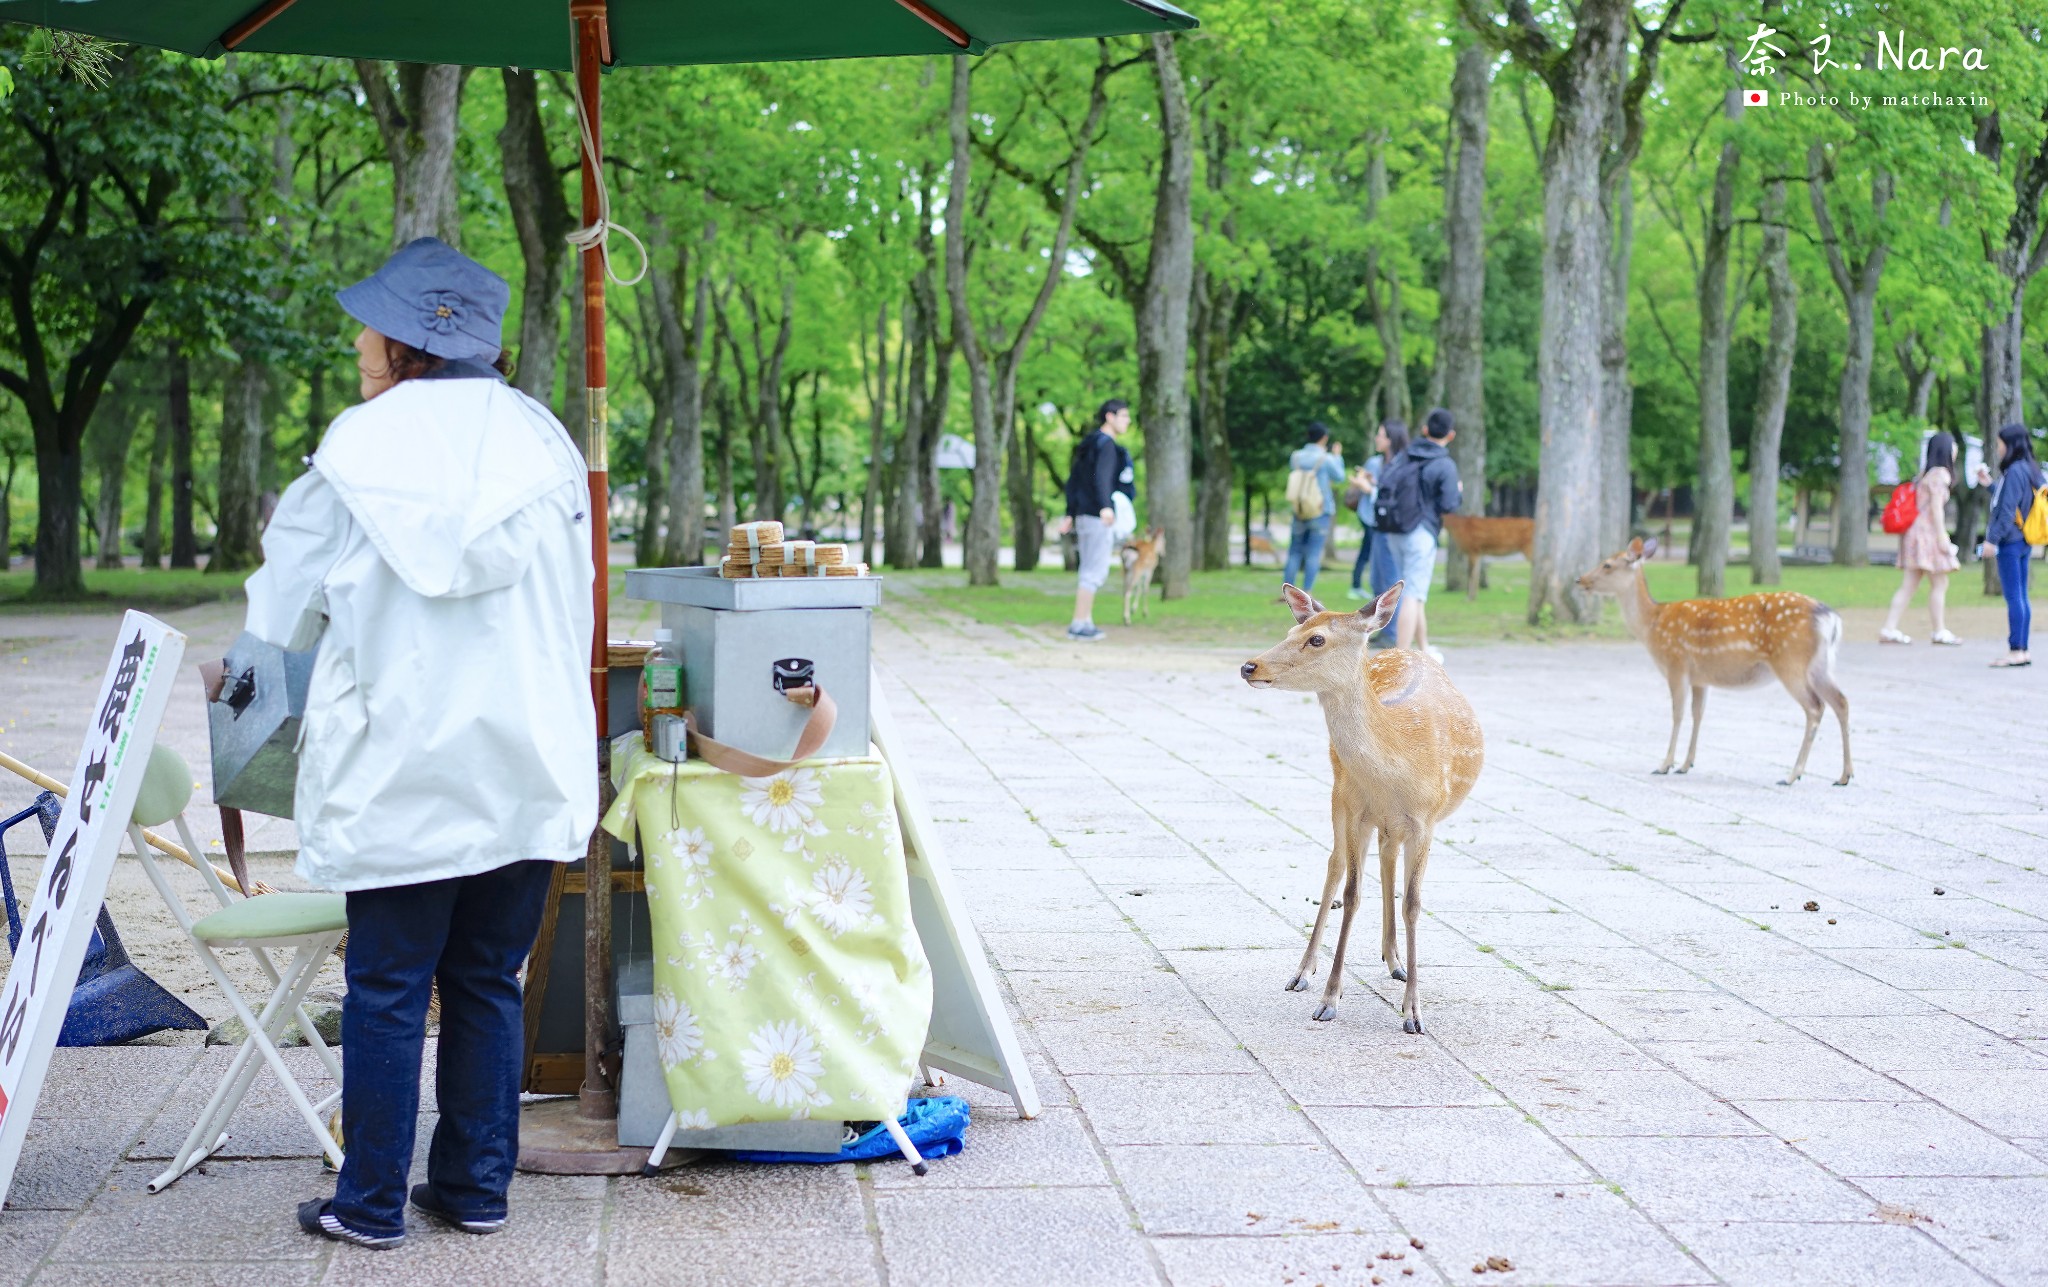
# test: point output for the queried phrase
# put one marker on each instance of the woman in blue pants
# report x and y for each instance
(2019, 479)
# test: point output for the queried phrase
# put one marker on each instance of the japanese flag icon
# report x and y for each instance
(1755, 98)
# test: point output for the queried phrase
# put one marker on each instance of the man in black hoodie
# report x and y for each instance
(1092, 481)
(1428, 477)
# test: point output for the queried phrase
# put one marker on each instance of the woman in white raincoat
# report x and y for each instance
(438, 548)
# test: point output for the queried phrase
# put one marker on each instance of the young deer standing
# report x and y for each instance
(1731, 643)
(1141, 560)
(1478, 537)
(1406, 749)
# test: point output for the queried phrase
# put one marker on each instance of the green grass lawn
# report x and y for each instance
(1241, 605)
(119, 589)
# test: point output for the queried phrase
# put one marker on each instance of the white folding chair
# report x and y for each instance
(309, 925)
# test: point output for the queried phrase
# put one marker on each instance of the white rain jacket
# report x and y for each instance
(442, 533)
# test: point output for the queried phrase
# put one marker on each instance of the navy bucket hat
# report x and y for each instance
(435, 298)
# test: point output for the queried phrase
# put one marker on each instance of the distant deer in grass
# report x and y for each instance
(1141, 560)
(1406, 749)
(1478, 538)
(1731, 643)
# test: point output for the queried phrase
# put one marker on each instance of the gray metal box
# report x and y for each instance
(254, 726)
(733, 632)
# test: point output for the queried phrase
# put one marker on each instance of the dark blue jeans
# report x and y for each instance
(1305, 551)
(2014, 564)
(1364, 559)
(471, 934)
(1386, 569)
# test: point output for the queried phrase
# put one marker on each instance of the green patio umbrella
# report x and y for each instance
(587, 36)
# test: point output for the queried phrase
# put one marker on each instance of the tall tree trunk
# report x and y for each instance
(1774, 386)
(682, 349)
(419, 120)
(1162, 325)
(1383, 295)
(1576, 234)
(237, 542)
(110, 438)
(984, 533)
(1027, 523)
(540, 216)
(1714, 502)
(178, 411)
(1461, 314)
(728, 498)
(153, 497)
(1858, 282)
(1215, 309)
(877, 387)
(900, 531)
(1617, 394)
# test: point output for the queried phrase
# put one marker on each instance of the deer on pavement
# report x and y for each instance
(1406, 750)
(1731, 643)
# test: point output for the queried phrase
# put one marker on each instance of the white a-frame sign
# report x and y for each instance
(59, 925)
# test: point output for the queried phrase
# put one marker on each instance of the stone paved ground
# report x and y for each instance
(1644, 1062)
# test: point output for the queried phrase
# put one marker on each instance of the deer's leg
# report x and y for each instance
(1354, 861)
(1474, 569)
(1411, 911)
(1388, 945)
(1677, 720)
(1299, 983)
(1340, 828)
(1833, 696)
(1699, 707)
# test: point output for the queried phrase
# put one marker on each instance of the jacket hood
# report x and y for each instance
(439, 473)
(1425, 447)
(1306, 457)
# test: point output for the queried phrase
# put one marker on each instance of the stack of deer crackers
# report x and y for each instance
(746, 546)
(760, 550)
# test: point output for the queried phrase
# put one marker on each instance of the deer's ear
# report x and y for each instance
(1649, 548)
(1635, 549)
(1299, 603)
(1380, 611)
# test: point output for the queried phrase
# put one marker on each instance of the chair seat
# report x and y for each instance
(275, 916)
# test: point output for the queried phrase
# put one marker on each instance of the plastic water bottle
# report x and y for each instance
(661, 681)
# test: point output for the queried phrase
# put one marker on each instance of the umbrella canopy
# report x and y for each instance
(644, 33)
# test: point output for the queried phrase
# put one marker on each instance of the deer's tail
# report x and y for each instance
(1827, 629)
(1129, 555)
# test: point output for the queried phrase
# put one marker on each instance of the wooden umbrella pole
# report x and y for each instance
(156, 842)
(598, 1097)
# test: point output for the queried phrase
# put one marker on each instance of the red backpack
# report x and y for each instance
(1903, 508)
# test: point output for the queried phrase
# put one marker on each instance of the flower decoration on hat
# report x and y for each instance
(441, 311)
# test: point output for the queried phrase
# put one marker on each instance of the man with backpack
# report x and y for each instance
(1313, 471)
(1098, 472)
(1415, 493)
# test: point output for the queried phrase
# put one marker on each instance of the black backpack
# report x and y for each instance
(1398, 505)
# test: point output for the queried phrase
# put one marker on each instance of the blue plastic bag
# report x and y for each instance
(937, 1127)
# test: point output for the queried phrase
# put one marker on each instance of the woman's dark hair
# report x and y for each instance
(1106, 410)
(405, 362)
(1397, 436)
(1941, 453)
(2019, 444)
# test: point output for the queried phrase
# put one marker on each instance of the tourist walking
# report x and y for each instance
(1093, 478)
(1388, 442)
(2012, 499)
(1415, 494)
(1313, 472)
(1925, 549)
(445, 757)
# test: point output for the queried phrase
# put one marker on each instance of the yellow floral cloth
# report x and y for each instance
(789, 981)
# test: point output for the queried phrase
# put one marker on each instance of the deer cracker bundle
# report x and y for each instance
(748, 539)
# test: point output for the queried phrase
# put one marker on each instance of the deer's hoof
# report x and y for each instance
(1789, 781)
(1842, 781)
(1684, 768)
(1413, 1023)
(1299, 983)
(1398, 974)
(1325, 1012)
(1658, 773)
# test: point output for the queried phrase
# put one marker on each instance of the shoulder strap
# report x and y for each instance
(731, 759)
